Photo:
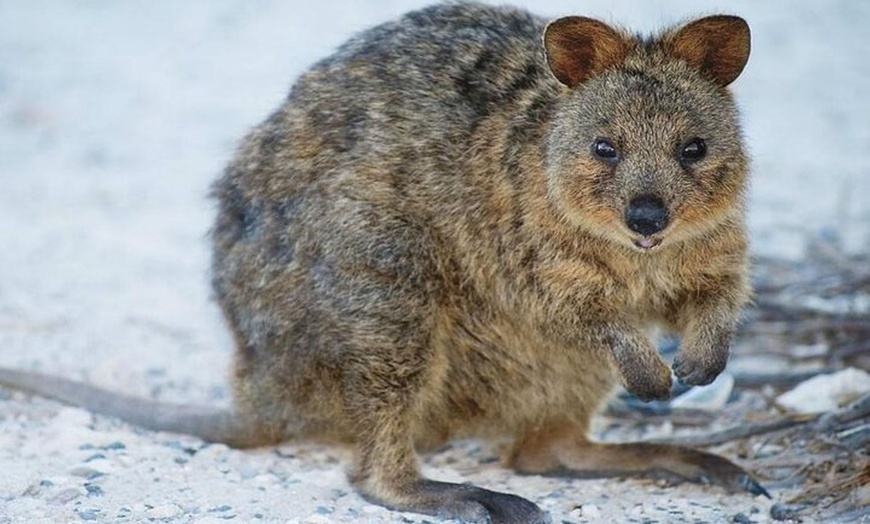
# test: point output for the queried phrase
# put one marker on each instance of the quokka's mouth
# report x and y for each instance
(647, 242)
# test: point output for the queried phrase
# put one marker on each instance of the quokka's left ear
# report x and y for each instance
(579, 47)
(718, 46)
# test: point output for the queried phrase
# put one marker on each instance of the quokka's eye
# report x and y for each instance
(603, 148)
(693, 150)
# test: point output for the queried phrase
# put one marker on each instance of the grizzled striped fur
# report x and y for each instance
(417, 245)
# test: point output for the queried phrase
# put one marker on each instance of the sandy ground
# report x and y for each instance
(114, 119)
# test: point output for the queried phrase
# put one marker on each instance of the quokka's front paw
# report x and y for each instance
(650, 384)
(699, 367)
(646, 378)
(641, 368)
(694, 373)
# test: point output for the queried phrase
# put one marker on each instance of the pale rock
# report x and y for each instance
(824, 393)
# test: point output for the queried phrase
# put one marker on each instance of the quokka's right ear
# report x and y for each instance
(718, 46)
(578, 48)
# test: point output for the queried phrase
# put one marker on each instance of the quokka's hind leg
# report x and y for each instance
(566, 450)
(386, 472)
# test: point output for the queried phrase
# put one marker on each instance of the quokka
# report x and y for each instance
(467, 222)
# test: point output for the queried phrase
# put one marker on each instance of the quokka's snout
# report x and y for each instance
(646, 214)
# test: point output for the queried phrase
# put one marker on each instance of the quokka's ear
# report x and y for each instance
(718, 46)
(578, 47)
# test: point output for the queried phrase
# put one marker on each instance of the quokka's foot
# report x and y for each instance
(463, 502)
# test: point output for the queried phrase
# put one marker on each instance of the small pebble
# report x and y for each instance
(741, 518)
(165, 511)
(781, 511)
(89, 514)
(230, 474)
(590, 511)
(86, 472)
(371, 509)
(66, 495)
(248, 471)
(263, 479)
(32, 490)
(93, 489)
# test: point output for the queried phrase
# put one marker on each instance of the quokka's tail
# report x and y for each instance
(209, 423)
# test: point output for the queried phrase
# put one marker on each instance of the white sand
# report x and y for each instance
(114, 119)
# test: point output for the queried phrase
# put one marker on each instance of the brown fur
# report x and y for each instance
(419, 244)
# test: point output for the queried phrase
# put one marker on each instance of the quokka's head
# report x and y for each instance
(645, 147)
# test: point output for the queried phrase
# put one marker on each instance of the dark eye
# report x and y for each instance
(604, 148)
(693, 150)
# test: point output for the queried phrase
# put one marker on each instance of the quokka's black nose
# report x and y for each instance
(646, 214)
